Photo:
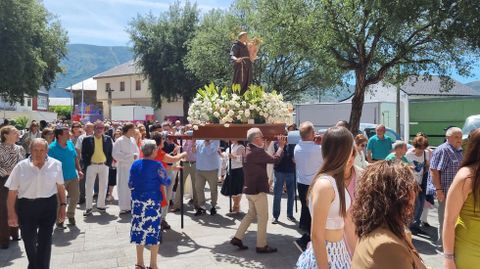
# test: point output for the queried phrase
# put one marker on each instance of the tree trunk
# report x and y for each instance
(357, 101)
(186, 105)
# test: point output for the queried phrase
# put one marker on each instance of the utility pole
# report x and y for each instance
(109, 91)
(83, 104)
(398, 109)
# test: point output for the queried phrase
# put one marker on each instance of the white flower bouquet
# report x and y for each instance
(212, 105)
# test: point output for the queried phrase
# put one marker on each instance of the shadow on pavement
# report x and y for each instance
(425, 242)
(217, 221)
(12, 253)
(63, 238)
(100, 219)
(180, 241)
(226, 253)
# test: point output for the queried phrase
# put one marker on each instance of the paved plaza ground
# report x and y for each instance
(102, 241)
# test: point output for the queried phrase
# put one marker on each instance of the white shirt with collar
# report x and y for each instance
(32, 182)
(308, 160)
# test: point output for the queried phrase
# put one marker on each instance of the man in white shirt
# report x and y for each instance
(35, 182)
(125, 151)
(308, 160)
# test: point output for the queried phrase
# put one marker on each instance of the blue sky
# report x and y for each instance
(103, 22)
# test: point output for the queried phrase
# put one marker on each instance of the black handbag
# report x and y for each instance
(423, 186)
(226, 189)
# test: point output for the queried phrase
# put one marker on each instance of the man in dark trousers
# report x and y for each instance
(36, 181)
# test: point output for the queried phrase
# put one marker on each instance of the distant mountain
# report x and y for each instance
(83, 61)
(475, 85)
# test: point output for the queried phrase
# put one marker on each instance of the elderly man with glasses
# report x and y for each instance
(256, 188)
(97, 158)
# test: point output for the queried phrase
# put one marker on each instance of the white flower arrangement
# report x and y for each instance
(212, 105)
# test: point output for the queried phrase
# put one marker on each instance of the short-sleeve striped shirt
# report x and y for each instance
(10, 155)
(447, 160)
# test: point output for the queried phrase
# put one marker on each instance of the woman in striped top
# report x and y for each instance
(10, 155)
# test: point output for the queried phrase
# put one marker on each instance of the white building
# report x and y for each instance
(130, 88)
(34, 108)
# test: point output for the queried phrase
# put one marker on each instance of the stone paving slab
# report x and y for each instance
(102, 241)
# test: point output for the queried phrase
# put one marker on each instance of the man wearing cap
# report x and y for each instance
(242, 65)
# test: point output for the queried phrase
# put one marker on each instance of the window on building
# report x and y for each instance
(138, 85)
(107, 86)
(29, 102)
(122, 86)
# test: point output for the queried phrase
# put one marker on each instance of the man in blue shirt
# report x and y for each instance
(379, 145)
(64, 151)
(207, 169)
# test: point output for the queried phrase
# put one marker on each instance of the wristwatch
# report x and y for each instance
(63, 204)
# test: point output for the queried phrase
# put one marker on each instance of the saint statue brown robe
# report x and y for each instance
(242, 71)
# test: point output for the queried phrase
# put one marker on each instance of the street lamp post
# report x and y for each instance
(109, 91)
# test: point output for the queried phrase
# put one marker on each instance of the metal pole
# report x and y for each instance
(181, 185)
(230, 173)
(295, 188)
(83, 107)
(398, 111)
(73, 102)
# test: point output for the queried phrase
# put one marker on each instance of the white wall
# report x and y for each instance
(31, 115)
(129, 93)
(169, 109)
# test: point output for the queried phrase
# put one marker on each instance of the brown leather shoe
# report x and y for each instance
(266, 249)
(237, 242)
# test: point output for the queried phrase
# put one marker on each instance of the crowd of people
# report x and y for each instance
(361, 198)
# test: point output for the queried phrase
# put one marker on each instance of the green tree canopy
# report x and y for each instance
(284, 61)
(32, 43)
(160, 46)
(388, 40)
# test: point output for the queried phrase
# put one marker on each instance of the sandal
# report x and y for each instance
(137, 266)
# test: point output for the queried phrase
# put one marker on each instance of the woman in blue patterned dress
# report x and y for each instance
(146, 177)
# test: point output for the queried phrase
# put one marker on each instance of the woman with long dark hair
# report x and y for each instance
(329, 201)
(461, 226)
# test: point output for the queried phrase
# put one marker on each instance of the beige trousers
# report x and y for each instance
(73, 189)
(188, 169)
(201, 178)
(257, 208)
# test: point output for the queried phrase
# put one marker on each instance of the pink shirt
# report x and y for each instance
(351, 187)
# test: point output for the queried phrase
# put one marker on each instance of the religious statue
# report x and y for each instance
(242, 54)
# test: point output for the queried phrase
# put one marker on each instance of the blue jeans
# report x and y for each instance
(289, 180)
(419, 203)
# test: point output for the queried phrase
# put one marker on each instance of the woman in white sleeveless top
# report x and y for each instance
(329, 201)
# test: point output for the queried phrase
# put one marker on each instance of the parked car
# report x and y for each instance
(471, 123)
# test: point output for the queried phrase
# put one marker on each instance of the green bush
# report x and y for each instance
(62, 111)
(21, 122)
